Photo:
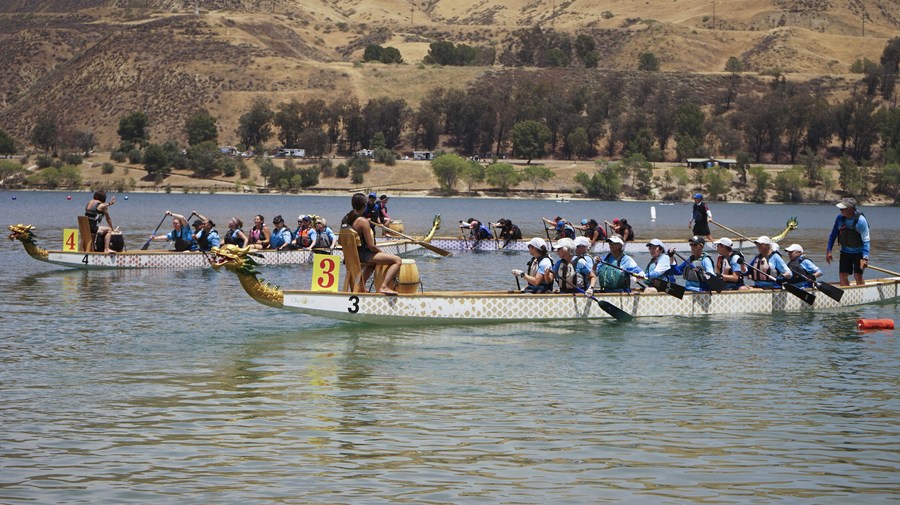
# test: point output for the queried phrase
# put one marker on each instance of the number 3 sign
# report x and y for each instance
(326, 272)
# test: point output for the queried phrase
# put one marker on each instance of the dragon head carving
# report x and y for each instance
(234, 258)
(21, 232)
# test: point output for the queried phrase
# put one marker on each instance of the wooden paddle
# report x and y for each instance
(831, 291)
(617, 313)
(661, 285)
(797, 291)
(426, 245)
(883, 270)
(714, 282)
(147, 243)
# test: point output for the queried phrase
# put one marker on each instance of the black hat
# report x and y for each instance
(383, 197)
(278, 219)
(198, 222)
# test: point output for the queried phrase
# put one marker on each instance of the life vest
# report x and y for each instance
(532, 269)
(796, 267)
(690, 273)
(183, 240)
(594, 231)
(611, 278)
(700, 213)
(230, 237)
(629, 234)
(256, 236)
(569, 278)
(323, 241)
(565, 230)
(848, 236)
(482, 232)
(764, 265)
(511, 232)
(302, 237)
(723, 267)
(203, 241)
(370, 211)
(95, 217)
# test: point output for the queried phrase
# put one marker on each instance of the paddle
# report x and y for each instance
(463, 235)
(147, 243)
(661, 285)
(797, 291)
(549, 240)
(617, 313)
(731, 231)
(831, 291)
(715, 283)
(496, 235)
(426, 245)
(883, 270)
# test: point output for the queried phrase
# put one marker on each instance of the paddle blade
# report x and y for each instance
(146, 245)
(617, 313)
(831, 291)
(669, 288)
(800, 293)
(442, 252)
(715, 283)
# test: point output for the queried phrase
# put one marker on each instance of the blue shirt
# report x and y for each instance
(705, 264)
(314, 236)
(777, 267)
(862, 226)
(280, 236)
(185, 234)
(660, 268)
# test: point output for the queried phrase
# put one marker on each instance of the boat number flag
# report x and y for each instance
(70, 239)
(326, 272)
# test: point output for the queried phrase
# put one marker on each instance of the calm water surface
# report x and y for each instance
(175, 387)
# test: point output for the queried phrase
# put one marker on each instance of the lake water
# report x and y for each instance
(174, 386)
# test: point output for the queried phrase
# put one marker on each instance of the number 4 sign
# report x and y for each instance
(70, 239)
(326, 272)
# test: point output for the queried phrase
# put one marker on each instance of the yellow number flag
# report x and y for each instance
(326, 272)
(70, 239)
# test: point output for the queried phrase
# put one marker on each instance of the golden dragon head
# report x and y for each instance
(234, 258)
(791, 225)
(22, 232)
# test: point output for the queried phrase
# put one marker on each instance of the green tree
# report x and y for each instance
(763, 181)
(315, 141)
(648, 62)
(502, 176)
(734, 65)
(529, 139)
(890, 57)
(391, 55)
(889, 181)
(577, 143)
(372, 52)
(7, 144)
(852, 177)
(604, 184)
(45, 133)
(85, 141)
(201, 127)
(156, 161)
(447, 168)
(267, 168)
(255, 126)
(813, 165)
(133, 128)
(472, 173)
(788, 184)
(204, 159)
(537, 175)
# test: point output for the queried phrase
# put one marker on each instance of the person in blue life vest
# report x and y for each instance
(572, 273)
(537, 273)
(660, 265)
(181, 233)
(730, 265)
(477, 229)
(803, 270)
(381, 211)
(614, 280)
(851, 230)
(767, 264)
(700, 216)
(206, 236)
(697, 267)
(563, 228)
(281, 234)
(321, 237)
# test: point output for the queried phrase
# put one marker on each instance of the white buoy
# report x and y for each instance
(652, 213)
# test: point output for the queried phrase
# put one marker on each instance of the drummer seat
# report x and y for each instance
(85, 236)
(348, 239)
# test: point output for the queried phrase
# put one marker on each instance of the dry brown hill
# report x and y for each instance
(92, 61)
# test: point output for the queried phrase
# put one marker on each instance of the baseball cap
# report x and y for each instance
(584, 221)
(373, 195)
(794, 247)
(306, 218)
(615, 239)
(698, 195)
(846, 203)
(657, 242)
(763, 240)
(566, 242)
(616, 220)
(696, 239)
(725, 241)
(198, 222)
(538, 243)
(582, 241)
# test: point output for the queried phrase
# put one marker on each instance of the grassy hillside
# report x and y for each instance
(92, 62)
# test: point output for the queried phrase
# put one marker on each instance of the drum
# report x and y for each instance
(394, 225)
(408, 279)
(116, 242)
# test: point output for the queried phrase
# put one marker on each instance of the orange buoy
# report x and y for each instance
(875, 324)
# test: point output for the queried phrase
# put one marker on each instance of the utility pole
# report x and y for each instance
(714, 14)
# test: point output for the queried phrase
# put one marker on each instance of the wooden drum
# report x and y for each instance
(116, 242)
(408, 280)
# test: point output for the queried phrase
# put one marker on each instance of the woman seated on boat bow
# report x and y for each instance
(537, 273)
(369, 254)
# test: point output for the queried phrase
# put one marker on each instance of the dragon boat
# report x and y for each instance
(638, 246)
(168, 259)
(479, 307)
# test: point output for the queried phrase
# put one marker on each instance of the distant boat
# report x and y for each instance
(562, 200)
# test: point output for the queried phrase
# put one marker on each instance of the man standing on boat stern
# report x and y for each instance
(699, 222)
(851, 229)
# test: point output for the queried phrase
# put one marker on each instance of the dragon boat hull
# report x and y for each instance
(458, 244)
(498, 307)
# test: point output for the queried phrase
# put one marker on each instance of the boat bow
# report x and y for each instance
(24, 234)
(241, 262)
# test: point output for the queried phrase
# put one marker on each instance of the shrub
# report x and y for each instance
(134, 156)
(385, 156)
(326, 168)
(73, 159)
(356, 178)
(341, 171)
(117, 156)
(107, 168)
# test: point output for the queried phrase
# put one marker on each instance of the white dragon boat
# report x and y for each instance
(479, 307)
(168, 259)
(638, 246)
